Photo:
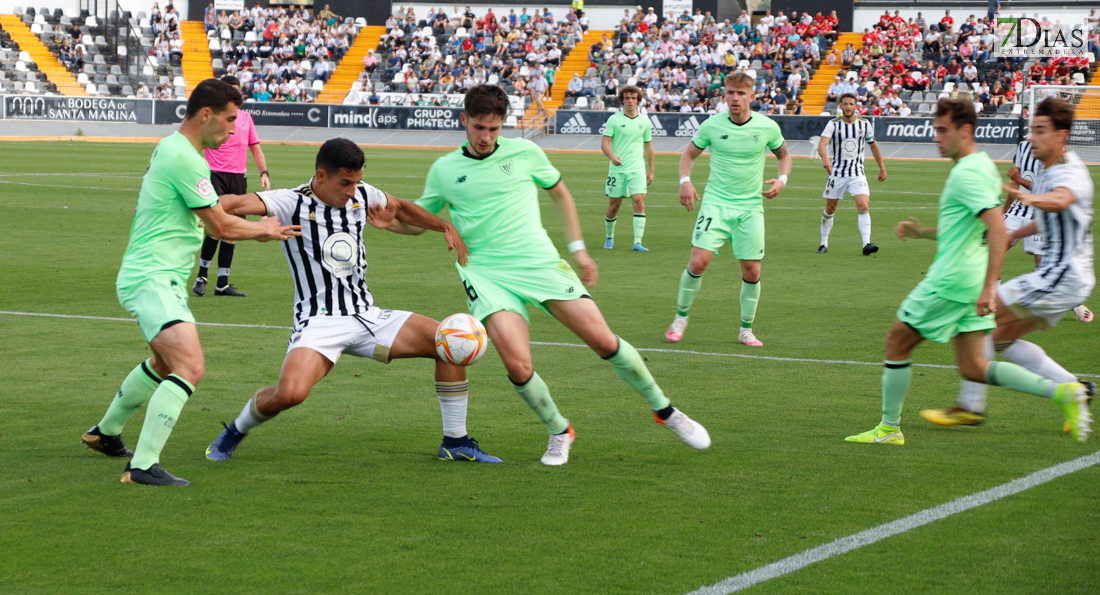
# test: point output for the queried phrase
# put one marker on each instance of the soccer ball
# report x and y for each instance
(461, 339)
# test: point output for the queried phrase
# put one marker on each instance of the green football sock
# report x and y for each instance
(610, 225)
(639, 227)
(1017, 378)
(536, 394)
(750, 296)
(164, 409)
(895, 384)
(631, 367)
(689, 286)
(136, 390)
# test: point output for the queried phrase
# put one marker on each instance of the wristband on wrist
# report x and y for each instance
(684, 180)
(783, 178)
(264, 173)
(576, 246)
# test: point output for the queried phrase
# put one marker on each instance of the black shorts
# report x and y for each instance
(226, 183)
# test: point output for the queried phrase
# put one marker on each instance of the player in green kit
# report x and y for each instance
(628, 143)
(957, 299)
(733, 205)
(175, 196)
(489, 184)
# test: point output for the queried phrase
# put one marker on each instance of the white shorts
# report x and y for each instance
(364, 335)
(1031, 298)
(1034, 243)
(855, 185)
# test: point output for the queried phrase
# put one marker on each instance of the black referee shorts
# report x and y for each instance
(226, 183)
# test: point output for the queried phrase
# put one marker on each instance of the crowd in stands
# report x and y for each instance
(448, 52)
(911, 61)
(279, 54)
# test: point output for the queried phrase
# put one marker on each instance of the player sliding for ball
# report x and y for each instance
(490, 186)
(334, 312)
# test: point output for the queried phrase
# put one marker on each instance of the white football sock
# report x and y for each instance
(826, 228)
(972, 395)
(864, 219)
(249, 417)
(454, 398)
(1032, 357)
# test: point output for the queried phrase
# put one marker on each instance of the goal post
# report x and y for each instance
(1084, 138)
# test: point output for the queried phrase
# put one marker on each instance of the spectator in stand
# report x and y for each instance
(970, 73)
(597, 104)
(904, 110)
(370, 61)
(210, 18)
(847, 56)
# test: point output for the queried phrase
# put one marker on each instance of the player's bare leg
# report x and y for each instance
(511, 337)
(583, 317)
(639, 222)
(690, 281)
(827, 224)
(863, 217)
(178, 359)
(750, 297)
(609, 219)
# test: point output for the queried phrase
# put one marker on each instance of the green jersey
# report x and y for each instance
(962, 254)
(166, 234)
(628, 138)
(494, 201)
(737, 153)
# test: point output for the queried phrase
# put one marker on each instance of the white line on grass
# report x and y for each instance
(846, 544)
(772, 358)
(544, 343)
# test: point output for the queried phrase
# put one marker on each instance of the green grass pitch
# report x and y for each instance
(344, 495)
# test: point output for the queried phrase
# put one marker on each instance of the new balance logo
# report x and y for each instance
(658, 129)
(576, 125)
(461, 179)
(688, 127)
(725, 136)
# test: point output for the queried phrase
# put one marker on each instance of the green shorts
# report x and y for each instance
(938, 319)
(502, 287)
(744, 228)
(625, 184)
(156, 302)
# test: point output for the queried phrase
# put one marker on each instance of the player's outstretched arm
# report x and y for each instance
(785, 166)
(413, 219)
(688, 195)
(570, 223)
(223, 226)
(998, 243)
(1055, 201)
(912, 229)
(878, 159)
(242, 204)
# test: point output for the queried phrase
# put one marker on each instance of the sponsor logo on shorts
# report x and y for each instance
(204, 188)
(294, 338)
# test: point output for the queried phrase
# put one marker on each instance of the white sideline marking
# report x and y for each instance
(545, 343)
(772, 358)
(846, 544)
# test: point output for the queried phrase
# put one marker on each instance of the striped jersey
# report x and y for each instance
(1029, 168)
(1067, 261)
(329, 260)
(848, 141)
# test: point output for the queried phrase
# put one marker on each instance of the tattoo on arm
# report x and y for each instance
(781, 152)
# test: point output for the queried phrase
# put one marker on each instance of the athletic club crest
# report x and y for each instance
(506, 167)
(756, 137)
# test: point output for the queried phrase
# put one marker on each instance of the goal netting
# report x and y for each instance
(1084, 139)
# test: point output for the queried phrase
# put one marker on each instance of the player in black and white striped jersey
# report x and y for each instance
(1061, 196)
(1025, 168)
(334, 312)
(848, 135)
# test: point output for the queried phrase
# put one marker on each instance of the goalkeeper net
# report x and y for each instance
(1084, 139)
